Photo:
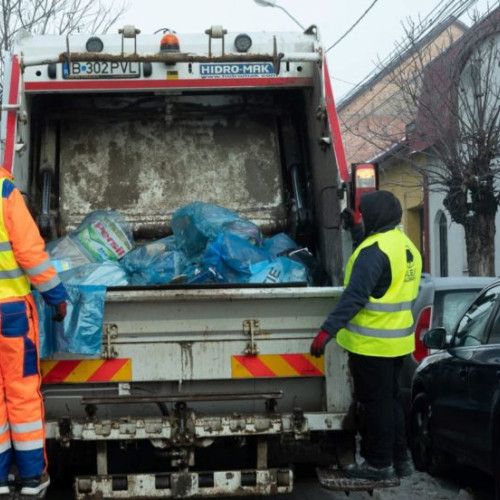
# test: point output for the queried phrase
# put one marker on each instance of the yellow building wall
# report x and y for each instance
(407, 185)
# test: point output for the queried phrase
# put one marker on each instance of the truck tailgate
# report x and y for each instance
(250, 334)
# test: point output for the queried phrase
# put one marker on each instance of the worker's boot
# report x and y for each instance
(368, 472)
(35, 487)
(5, 489)
(403, 468)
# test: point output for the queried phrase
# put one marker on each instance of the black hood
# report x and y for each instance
(381, 211)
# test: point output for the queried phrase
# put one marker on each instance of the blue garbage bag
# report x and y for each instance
(199, 223)
(278, 244)
(155, 263)
(232, 257)
(198, 275)
(81, 331)
(281, 270)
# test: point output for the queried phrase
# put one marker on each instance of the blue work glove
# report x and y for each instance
(319, 343)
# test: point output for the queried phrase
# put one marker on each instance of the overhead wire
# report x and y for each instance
(392, 55)
(343, 81)
(352, 27)
(450, 10)
(453, 8)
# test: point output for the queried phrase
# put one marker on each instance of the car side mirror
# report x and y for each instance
(435, 338)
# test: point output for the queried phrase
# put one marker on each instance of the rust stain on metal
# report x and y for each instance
(229, 160)
(164, 57)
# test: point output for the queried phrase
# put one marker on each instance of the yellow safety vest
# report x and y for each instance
(13, 281)
(385, 327)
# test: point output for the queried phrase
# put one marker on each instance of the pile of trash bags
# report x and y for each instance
(209, 244)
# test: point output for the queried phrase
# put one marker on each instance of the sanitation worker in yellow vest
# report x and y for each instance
(374, 323)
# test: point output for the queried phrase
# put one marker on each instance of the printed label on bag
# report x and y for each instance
(104, 240)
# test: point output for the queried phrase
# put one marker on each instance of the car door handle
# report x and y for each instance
(463, 373)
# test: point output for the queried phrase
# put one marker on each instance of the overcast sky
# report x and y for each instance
(349, 62)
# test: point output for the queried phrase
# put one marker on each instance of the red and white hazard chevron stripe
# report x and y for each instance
(86, 370)
(277, 365)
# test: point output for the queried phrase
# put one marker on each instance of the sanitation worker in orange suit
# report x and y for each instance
(23, 263)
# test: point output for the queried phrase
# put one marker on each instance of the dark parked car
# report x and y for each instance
(455, 411)
(440, 302)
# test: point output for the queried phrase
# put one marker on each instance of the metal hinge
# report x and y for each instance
(22, 116)
(111, 332)
(251, 327)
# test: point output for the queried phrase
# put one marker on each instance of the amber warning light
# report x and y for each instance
(169, 42)
(366, 177)
(365, 180)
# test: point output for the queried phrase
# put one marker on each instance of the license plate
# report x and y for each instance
(101, 69)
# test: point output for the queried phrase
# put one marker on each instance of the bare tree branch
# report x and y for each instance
(440, 114)
(457, 97)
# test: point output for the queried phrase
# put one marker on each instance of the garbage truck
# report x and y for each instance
(208, 390)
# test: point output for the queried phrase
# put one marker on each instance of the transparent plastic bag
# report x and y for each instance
(199, 223)
(104, 273)
(154, 263)
(61, 265)
(81, 330)
(66, 254)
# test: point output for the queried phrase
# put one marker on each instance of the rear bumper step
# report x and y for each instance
(185, 485)
(335, 480)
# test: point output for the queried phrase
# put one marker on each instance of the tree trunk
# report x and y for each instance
(480, 242)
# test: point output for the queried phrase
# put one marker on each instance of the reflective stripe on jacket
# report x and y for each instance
(13, 282)
(384, 326)
(23, 259)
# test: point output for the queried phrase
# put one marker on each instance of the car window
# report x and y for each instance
(449, 305)
(495, 330)
(471, 328)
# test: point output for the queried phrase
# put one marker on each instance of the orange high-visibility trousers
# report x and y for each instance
(22, 431)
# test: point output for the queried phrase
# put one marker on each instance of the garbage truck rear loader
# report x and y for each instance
(206, 390)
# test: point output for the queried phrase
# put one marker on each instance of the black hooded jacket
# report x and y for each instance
(371, 272)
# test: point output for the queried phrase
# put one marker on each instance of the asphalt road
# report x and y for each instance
(471, 486)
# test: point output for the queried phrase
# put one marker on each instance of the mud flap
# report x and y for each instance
(334, 480)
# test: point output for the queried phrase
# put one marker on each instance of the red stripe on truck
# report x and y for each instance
(67, 85)
(8, 159)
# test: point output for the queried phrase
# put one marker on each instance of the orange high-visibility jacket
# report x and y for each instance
(23, 259)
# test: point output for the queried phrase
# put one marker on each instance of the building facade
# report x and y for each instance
(374, 121)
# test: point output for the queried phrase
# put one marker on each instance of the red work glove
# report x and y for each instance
(347, 217)
(59, 311)
(319, 343)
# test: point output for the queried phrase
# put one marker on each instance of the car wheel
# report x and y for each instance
(425, 457)
(420, 441)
